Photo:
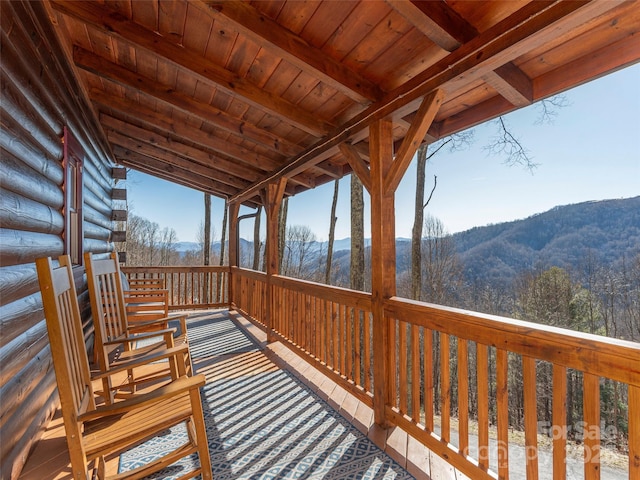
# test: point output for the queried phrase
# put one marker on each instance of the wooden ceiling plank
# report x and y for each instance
(512, 83)
(120, 75)
(176, 147)
(413, 139)
(494, 47)
(171, 158)
(140, 161)
(207, 158)
(357, 164)
(153, 119)
(437, 21)
(207, 71)
(271, 35)
(618, 55)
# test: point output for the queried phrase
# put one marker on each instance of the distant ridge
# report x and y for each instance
(606, 232)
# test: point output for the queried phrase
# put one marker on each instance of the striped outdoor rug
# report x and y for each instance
(266, 424)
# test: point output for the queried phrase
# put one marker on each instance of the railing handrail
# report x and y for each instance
(603, 356)
(352, 298)
(176, 268)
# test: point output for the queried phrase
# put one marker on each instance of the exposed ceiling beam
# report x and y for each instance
(169, 171)
(357, 164)
(152, 119)
(421, 123)
(122, 76)
(149, 150)
(512, 83)
(272, 36)
(437, 21)
(112, 23)
(521, 31)
(174, 147)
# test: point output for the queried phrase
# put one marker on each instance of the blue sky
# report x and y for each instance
(590, 152)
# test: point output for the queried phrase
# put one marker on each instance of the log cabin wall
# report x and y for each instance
(39, 100)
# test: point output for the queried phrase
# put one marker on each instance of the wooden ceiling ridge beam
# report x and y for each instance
(113, 23)
(122, 76)
(272, 36)
(437, 21)
(489, 50)
(415, 136)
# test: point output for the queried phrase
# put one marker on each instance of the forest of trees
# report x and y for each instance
(597, 291)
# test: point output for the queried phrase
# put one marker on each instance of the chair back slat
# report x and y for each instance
(66, 337)
(107, 303)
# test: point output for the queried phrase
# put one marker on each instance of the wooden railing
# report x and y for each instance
(250, 293)
(189, 287)
(442, 359)
(499, 345)
(331, 326)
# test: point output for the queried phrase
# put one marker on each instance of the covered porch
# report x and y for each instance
(324, 337)
(257, 101)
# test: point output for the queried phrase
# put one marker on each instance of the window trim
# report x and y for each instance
(73, 164)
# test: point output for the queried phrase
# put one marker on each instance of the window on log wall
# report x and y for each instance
(73, 159)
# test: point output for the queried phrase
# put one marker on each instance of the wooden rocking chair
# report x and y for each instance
(97, 433)
(117, 343)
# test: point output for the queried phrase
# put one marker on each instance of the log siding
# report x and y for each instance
(39, 98)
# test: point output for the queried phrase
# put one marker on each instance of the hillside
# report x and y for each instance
(606, 231)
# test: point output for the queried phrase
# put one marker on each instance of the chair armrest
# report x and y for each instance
(141, 336)
(181, 385)
(160, 321)
(180, 350)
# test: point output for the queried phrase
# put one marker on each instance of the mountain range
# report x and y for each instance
(606, 232)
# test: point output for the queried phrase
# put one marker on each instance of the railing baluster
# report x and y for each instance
(349, 347)
(591, 395)
(367, 351)
(403, 366)
(463, 396)
(445, 390)
(530, 417)
(634, 432)
(415, 373)
(393, 359)
(428, 379)
(559, 428)
(482, 369)
(356, 347)
(502, 403)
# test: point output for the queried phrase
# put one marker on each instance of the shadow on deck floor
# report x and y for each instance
(269, 415)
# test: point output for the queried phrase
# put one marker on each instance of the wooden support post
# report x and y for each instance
(383, 260)
(234, 208)
(274, 194)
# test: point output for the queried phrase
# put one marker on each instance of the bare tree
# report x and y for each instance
(357, 234)
(332, 232)
(207, 230)
(454, 142)
(282, 230)
(299, 242)
(223, 238)
(256, 239)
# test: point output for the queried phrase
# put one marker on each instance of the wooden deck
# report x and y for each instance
(232, 360)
